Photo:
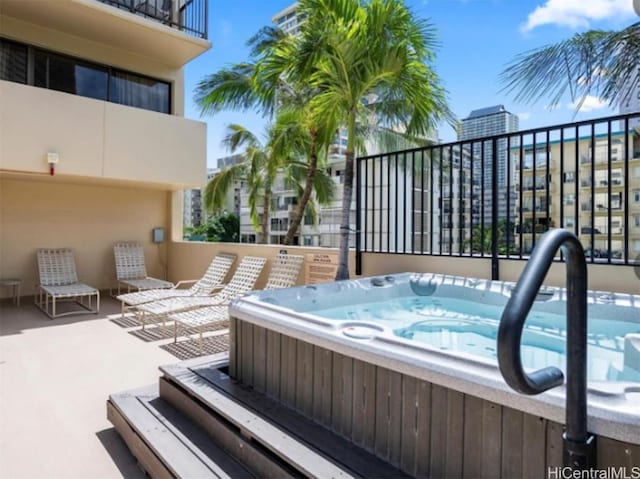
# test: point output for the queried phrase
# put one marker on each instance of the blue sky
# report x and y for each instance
(477, 39)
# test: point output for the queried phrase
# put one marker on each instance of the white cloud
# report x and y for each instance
(577, 13)
(524, 116)
(590, 103)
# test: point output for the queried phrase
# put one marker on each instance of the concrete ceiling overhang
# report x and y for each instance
(99, 22)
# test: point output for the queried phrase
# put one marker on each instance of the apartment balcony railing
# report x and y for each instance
(189, 16)
(408, 216)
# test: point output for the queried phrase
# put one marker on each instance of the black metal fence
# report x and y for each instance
(493, 197)
(189, 16)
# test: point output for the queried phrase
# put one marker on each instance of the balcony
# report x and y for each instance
(189, 16)
(98, 140)
(171, 32)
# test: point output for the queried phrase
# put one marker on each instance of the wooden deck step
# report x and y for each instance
(166, 442)
(271, 428)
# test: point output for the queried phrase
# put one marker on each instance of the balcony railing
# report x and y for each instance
(503, 186)
(189, 16)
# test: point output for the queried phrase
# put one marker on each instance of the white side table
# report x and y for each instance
(14, 284)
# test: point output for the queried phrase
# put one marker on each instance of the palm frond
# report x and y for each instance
(227, 89)
(237, 136)
(598, 63)
(215, 193)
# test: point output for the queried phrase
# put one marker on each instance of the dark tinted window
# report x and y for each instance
(24, 64)
(70, 75)
(13, 62)
(142, 92)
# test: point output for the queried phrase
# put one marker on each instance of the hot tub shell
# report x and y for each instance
(428, 412)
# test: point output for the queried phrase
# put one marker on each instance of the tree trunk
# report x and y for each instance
(306, 194)
(266, 210)
(347, 194)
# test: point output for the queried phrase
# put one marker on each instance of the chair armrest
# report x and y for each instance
(185, 281)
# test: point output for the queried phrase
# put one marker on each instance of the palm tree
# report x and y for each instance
(262, 85)
(258, 169)
(294, 133)
(351, 50)
(599, 63)
(262, 163)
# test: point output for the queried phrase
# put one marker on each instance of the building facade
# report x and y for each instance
(581, 185)
(482, 123)
(94, 146)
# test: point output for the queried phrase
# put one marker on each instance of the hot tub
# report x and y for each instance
(404, 366)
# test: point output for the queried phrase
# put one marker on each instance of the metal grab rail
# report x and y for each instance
(579, 445)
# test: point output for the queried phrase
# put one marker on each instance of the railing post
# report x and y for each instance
(206, 19)
(495, 266)
(579, 446)
(358, 220)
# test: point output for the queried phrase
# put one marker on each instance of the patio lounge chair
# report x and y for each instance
(59, 281)
(243, 281)
(284, 274)
(131, 270)
(212, 280)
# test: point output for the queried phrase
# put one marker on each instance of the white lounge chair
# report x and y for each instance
(59, 281)
(284, 274)
(212, 279)
(243, 281)
(131, 270)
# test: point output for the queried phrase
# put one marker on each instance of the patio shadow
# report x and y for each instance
(119, 453)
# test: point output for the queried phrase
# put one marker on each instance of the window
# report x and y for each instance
(636, 196)
(636, 220)
(13, 62)
(569, 199)
(142, 92)
(569, 177)
(66, 74)
(636, 245)
(569, 221)
(44, 69)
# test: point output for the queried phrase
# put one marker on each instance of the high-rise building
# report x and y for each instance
(194, 211)
(594, 197)
(482, 123)
(288, 20)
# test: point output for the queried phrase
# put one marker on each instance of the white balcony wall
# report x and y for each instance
(98, 139)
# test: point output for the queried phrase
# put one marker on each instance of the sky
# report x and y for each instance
(477, 39)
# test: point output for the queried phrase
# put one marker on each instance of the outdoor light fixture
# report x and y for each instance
(52, 160)
(636, 6)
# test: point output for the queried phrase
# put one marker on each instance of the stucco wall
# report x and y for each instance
(97, 138)
(189, 260)
(89, 218)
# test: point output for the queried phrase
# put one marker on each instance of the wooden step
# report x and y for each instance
(166, 442)
(205, 393)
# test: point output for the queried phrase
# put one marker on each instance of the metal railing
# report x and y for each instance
(579, 445)
(189, 16)
(406, 200)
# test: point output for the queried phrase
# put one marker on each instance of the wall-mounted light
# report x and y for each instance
(52, 160)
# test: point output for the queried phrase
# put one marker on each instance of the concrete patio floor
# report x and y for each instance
(55, 377)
